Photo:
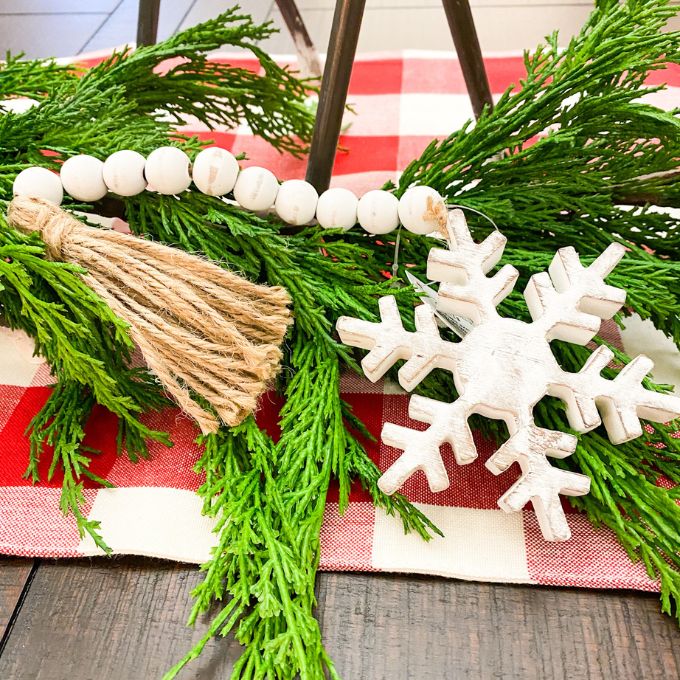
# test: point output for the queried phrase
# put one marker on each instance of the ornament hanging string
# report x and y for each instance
(211, 337)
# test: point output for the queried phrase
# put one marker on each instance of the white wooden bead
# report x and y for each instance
(256, 189)
(167, 171)
(337, 209)
(422, 210)
(215, 171)
(17, 105)
(296, 202)
(378, 212)
(82, 178)
(39, 183)
(124, 173)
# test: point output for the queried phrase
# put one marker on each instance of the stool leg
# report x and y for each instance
(307, 54)
(465, 39)
(334, 85)
(147, 21)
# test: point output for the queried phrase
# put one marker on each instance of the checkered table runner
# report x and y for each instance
(401, 103)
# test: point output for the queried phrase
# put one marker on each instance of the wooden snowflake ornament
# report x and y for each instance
(503, 367)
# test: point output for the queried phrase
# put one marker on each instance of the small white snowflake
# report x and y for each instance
(503, 367)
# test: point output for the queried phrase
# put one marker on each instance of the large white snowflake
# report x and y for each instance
(503, 367)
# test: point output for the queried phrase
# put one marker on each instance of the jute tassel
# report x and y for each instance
(201, 329)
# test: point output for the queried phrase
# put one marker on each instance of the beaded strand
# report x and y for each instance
(216, 172)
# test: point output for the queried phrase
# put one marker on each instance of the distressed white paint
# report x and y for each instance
(504, 367)
(215, 171)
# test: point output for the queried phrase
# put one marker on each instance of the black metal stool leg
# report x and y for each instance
(307, 54)
(465, 39)
(147, 21)
(334, 85)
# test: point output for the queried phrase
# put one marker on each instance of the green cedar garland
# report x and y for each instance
(89, 351)
(113, 106)
(560, 189)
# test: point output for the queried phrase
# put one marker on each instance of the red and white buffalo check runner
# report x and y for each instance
(401, 103)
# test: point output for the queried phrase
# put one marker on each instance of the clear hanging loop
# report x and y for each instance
(452, 206)
(395, 260)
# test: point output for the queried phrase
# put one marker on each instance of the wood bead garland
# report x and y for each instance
(167, 171)
(83, 178)
(202, 330)
(36, 182)
(296, 202)
(124, 173)
(337, 209)
(215, 171)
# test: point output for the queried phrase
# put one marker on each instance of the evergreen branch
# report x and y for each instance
(117, 105)
(315, 445)
(554, 156)
(36, 78)
(209, 91)
(136, 98)
(60, 424)
(338, 279)
(89, 351)
(76, 332)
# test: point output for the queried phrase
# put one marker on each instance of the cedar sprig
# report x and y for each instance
(286, 483)
(114, 106)
(88, 349)
(34, 78)
(338, 279)
(211, 92)
(60, 424)
(557, 155)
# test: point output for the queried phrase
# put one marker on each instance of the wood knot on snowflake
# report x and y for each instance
(503, 367)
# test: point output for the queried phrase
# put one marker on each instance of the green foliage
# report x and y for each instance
(61, 425)
(132, 100)
(277, 530)
(272, 104)
(556, 156)
(36, 78)
(88, 349)
(135, 99)
(550, 165)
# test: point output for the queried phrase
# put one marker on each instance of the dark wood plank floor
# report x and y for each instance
(14, 577)
(123, 619)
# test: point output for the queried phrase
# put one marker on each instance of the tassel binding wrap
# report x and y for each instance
(203, 331)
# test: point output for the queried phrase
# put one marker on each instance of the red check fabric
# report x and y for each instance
(401, 102)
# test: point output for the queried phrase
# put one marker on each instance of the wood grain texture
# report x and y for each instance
(14, 573)
(124, 620)
(404, 627)
(115, 619)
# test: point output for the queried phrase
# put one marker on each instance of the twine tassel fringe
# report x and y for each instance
(203, 331)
